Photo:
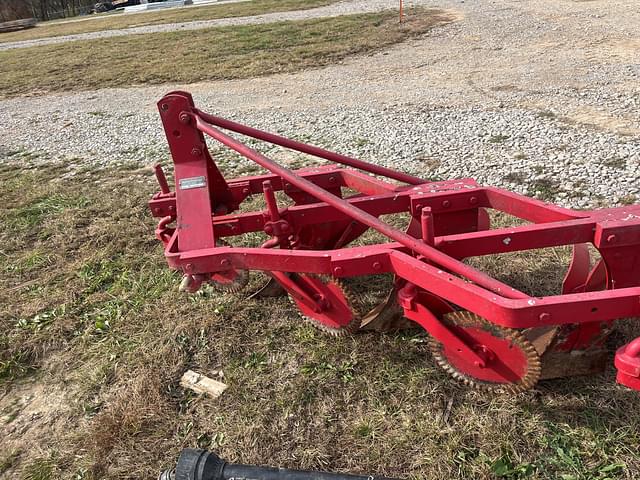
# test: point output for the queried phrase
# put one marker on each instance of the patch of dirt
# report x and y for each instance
(599, 119)
(33, 416)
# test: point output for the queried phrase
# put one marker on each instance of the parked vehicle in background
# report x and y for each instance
(102, 7)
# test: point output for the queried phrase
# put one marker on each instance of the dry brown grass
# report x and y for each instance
(114, 21)
(114, 354)
(210, 54)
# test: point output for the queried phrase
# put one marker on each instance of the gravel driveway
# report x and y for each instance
(540, 96)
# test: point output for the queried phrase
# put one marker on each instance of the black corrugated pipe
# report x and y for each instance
(202, 465)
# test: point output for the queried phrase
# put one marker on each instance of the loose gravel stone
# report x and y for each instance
(536, 96)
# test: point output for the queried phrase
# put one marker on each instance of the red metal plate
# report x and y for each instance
(507, 363)
(336, 309)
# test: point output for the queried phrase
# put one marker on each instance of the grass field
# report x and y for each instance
(176, 15)
(92, 323)
(211, 54)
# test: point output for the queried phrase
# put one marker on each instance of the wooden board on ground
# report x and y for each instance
(202, 384)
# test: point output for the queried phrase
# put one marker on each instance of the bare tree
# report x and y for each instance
(43, 9)
(14, 10)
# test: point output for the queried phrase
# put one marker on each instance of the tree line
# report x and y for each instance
(43, 9)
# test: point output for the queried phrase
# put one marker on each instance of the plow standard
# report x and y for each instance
(484, 332)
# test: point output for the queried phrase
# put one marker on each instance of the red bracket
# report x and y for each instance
(201, 190)
(417, 312)
(628, 364)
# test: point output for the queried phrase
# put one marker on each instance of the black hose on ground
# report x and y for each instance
(203, 465)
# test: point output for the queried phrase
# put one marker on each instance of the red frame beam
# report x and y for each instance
(308, 149)
(361, 216)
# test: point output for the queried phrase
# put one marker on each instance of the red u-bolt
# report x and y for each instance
(161, 229)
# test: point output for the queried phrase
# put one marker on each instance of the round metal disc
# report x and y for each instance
(230, 281)
(339, 315)
(512, 364)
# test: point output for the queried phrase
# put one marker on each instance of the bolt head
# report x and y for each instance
(189, 267)
(338, 271)
(611, 238)
(473, 200)
(196, 152)
(446, 204)
(268, 230)
(545, 317)
(377, 266)
(224, 262)
(184, 118)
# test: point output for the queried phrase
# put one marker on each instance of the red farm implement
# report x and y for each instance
(484, 332)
